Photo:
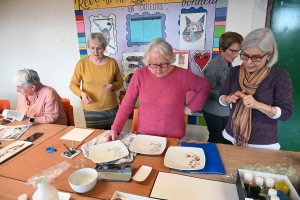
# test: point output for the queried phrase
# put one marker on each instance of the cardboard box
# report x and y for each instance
(241, 189)
(128, 196)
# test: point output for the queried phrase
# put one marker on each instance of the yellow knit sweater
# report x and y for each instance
(90, 79)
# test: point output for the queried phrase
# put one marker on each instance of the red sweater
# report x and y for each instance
(161, 101)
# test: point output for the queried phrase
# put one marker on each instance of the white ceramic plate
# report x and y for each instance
(148, 144)
(109, 151)
(142, 173)
(185, 158)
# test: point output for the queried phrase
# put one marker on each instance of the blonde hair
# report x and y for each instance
(161, 46)
(97, 38)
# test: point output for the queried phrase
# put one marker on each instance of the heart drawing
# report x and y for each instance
(201, 59)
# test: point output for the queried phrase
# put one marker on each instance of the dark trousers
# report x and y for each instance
(215, 125)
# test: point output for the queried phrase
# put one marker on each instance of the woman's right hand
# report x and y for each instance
(237, 95)
(85, 97)
(111, 136)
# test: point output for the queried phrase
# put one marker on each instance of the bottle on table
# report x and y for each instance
(248, 181)
(283, 186)
(270, 183)
(259, 181)
(45, 191)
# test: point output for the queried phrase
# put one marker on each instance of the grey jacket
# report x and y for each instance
(216, 72)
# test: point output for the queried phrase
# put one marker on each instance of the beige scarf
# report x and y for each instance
(242, 117)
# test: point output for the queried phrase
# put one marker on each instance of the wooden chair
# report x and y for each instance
(4, 104)
(68, 108)
(134, 120)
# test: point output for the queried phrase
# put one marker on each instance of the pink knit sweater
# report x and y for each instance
(161, 101)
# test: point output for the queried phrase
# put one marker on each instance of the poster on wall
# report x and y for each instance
(192, 31)
(107, 26)
(130, 62)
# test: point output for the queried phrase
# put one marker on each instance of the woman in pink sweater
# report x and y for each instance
(39, 103)
(161, 88)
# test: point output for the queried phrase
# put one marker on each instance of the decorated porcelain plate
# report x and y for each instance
(185, 158)
(148, 144)
(108, 151)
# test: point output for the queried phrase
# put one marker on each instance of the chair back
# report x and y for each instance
(135, 120)
(4, 104)
(68, 108)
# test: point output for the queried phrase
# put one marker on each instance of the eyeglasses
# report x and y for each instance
(96, 48)
(254, 58)
(161, 65)
(233, 51)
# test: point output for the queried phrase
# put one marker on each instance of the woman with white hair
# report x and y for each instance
(161, 88)
(38, 102)
(259, 93)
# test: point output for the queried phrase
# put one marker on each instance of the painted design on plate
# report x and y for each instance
(156, 147)
(117, 151)
(12, 150)
(194, 159)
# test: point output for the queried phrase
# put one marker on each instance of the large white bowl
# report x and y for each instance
(83, 180)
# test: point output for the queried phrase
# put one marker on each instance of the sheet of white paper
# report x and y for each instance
(178, 187)
(77, 134)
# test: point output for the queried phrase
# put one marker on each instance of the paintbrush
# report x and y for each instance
(78, 145)
(70, 151)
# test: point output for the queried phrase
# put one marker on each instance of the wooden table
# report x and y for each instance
(11, 189)
(49, 131)
(234, 157)
(37, 160)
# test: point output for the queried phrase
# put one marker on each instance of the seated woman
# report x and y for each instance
(39, 103)
(161, 88)
(260, 94)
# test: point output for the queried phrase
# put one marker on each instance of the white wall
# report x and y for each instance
(41, 34)
(243, 16)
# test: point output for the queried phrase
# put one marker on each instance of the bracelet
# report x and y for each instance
(228, 101)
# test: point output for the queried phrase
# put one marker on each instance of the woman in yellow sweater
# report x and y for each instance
(95, 80)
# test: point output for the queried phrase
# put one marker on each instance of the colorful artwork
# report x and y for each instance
(194, 159)
(107, 26)
(182, 59)
(192, 31)
(130, 62)
(202, 59)
(12, 149)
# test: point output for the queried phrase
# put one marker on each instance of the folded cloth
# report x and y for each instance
(213, 164)
(126, 138)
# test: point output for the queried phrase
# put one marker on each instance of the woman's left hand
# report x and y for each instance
(108, 87)
(249, 101)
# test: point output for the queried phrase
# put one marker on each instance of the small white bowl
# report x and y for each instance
(83, 180)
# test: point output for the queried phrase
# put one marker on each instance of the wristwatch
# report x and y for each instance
(31, 119)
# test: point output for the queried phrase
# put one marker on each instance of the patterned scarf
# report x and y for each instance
(242, 117)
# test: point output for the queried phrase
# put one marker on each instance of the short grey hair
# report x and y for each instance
(161, 46)
(264, 39)
(26, 77)
(97, 38)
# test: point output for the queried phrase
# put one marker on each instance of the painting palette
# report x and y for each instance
(12, 149)
(109, 151)
(185, 158)
(149, 145)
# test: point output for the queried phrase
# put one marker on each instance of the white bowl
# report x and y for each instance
(83, 180)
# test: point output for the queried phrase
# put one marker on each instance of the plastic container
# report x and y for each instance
(45, 191)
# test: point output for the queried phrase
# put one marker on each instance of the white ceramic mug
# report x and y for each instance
(13, 115)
